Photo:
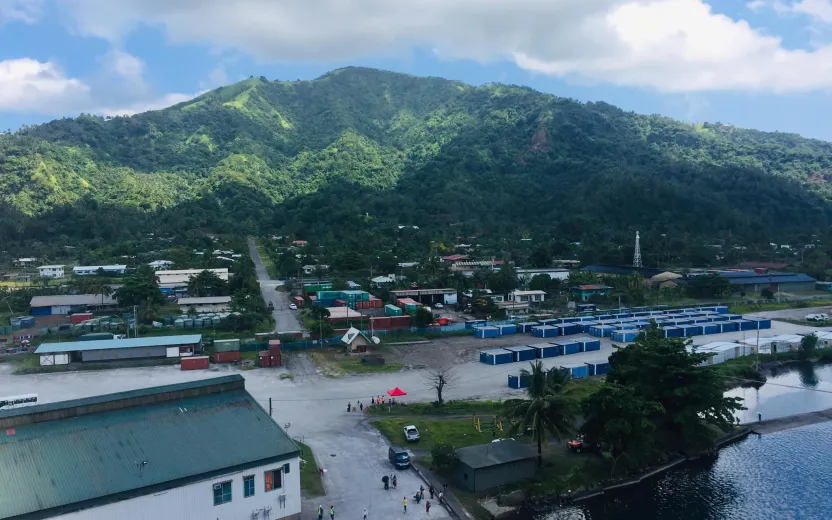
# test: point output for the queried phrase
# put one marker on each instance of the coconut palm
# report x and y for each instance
(547, 411)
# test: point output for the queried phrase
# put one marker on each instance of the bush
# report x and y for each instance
(443, 455)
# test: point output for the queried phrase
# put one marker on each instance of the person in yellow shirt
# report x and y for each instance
(404, 503)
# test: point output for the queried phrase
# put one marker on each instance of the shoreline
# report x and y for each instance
(790, 422)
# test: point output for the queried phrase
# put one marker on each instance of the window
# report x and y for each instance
(222, 493)
(273, 480)
(248, 486)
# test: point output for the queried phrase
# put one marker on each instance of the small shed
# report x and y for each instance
(546, 350)
(355, 340)
(576, 370)
(488, 466)
(545, 331)
(598, 367)
(496, 356)
(486, 332)
(522, 353)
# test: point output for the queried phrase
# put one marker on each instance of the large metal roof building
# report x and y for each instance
(177, 451)
(112, 349)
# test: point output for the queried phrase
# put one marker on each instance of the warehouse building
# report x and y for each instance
(182, 276)
(135, 455)
(488, 466)
(750, 281)
(206, 304)
(70, 304)
(119, 349)
(555, 273)
(90, 270)
(427, 296)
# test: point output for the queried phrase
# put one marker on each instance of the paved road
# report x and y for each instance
(284, 319)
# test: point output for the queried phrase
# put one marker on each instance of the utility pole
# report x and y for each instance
(270, 406)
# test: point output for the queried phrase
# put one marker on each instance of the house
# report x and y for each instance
(407, 265)
(454, 258)
(353, 285)
(525, 275)
(90, 270)
(527, 296)
(25, 262)
(488, 466)
(134, 455)
(51, 271)
(205, 304)
(384, 281)
(585, 292)
(663, 280)
(513, 307)
(182, 276)
(299, 243)
(70, 303)
(310, 269)
(356, 340)
(160, 265)
(119, 349)
(427, 296)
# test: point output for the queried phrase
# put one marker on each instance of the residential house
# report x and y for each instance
(585, 292)
(161, 265)
(51, 271)
(356, 341)
(533, 297)
(311, 269)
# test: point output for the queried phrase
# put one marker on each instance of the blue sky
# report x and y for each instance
(764, 64)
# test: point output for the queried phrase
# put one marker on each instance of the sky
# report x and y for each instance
(764, 64)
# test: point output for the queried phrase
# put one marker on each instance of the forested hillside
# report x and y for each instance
(359, 150)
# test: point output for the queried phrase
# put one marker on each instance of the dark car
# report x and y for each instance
(398, 457)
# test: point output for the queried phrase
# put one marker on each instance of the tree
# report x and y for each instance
(540, 282)
(541, 257)
(439, 378)
(386, 263)
(141, 287)
(547, 411)
(318, 313)
(661, 369)
(622, 421)
(767, 293)
(207, 283)
(635, 289)
(443, 455)
(708, 286)
(581, 278)
(422, 318)
(808, 345)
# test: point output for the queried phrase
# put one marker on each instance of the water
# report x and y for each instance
(783, 475)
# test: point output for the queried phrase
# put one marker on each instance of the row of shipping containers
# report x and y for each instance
(683, 331)
(576, 371)
(563, 347)
(495, 331)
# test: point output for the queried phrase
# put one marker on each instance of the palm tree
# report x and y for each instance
(547, 411)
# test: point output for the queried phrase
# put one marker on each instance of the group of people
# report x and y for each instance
(331, 512)
(379, 400)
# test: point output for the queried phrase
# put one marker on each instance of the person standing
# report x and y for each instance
(427, 507)
(430, 489)
(331, 512)
(320, 512)
(422, 492)
(361, 406)
(404, 503)
(365, 513)
(395, 482)
(349, 406)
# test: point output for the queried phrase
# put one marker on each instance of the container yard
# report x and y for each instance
(522, 353)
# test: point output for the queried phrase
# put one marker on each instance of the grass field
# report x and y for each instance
(448, 408)
(742, 308)
(310, 479)
(456, 432)
(335, 364)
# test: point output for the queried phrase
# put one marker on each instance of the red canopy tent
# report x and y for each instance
(396, 392)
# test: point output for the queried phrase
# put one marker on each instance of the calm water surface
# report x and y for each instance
(785, 475)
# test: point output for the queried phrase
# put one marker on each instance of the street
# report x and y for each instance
(285, 319)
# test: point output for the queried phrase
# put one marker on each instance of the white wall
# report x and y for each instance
(172, 352)
(196, 501)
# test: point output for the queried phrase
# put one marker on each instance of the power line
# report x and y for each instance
(782, 385)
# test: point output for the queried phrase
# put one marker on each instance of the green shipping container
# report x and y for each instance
(226, 345)
(392, 310)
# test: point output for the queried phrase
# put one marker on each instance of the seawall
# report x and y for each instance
(791, 421)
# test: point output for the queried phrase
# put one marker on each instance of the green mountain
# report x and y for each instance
(357, 150)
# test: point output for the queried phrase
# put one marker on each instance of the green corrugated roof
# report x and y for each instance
(159, 341)
(60, 465)
(495, 453)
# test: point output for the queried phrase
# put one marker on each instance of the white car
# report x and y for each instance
(439, 306)
(411, 433)
(817, 317)
(293, 306)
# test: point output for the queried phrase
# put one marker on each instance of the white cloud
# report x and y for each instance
(756, 5)
(820, 10)
(125, 65)
(669, 45)
(28, 85)
(27, 11)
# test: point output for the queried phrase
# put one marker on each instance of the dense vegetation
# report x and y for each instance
(349, 157)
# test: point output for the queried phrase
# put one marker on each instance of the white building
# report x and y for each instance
(158, 470)
(527, 296)
(182, 276)
(558, 273)
(205, 304)
(51, 271)
(160, 265)
(25, 262)
(90, 270)
(310, 269)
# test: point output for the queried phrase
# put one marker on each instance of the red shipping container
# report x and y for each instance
(400, 321)
(226, 357)
(79, 317)
(274, 345)
(381, 323)
(264, 359)
(375, 303)
(340, 303)
(274, 360)
(298, 301)
(195, 363)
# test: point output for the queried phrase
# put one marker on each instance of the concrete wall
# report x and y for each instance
(123, 353)
(483, 479)
(196, 501)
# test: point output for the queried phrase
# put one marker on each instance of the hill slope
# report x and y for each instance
(360, 148)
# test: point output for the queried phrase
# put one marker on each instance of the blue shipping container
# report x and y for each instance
(496, 356)
(598, 367)
(546, 350)
(733, 317)
(591, 345)
(568, 330)
(721, 309)
(577, 371)
(625, 336)
(520, 381)
(486, 332)
(746, 324)
(522, 353)
(763, 324)
(710, 328)
(728, 326)
(526, 328)
(545, 331)
(470, 324)
(507, 329)
(672, 332)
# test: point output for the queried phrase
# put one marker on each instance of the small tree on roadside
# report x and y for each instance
(441, 377)
(443, 455)
(422, 318)
(808, 345)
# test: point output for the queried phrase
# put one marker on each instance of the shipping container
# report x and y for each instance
(274, 346)
(297, 300)
(721, 309)
(569, 329)
(586, 325)
(226, 345)
(551, 321)
(598, 367)
(710, 328)
(263, 358)
(546, 350)
(274, 359)
(96, 336)
(226, 357)
(340, 303)
(589, 344)
(624, 335)
(497, 356)
(568, 346)
(671, 332)
(392, 310)
(691, 330)
(746, 325)
(470, 324)
(399, 322)
(505, 330)
(602, 331)
(763, 324)
(733, 317)
(518, 381)
(79, 317)
(486, 332)
(728, 326)
(576, 370)
(626, 326)
(380, 323)
(570, 320)
(526, 327)
(522, 353)
(194, 363)
(545, 331)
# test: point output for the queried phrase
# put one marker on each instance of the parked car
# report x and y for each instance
(817, 317)
(398, 457)
(580, 444)
(438, 305)
(411, 434)
(293, 307)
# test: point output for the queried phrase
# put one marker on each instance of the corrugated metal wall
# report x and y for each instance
(123, 353)
(489, 478)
